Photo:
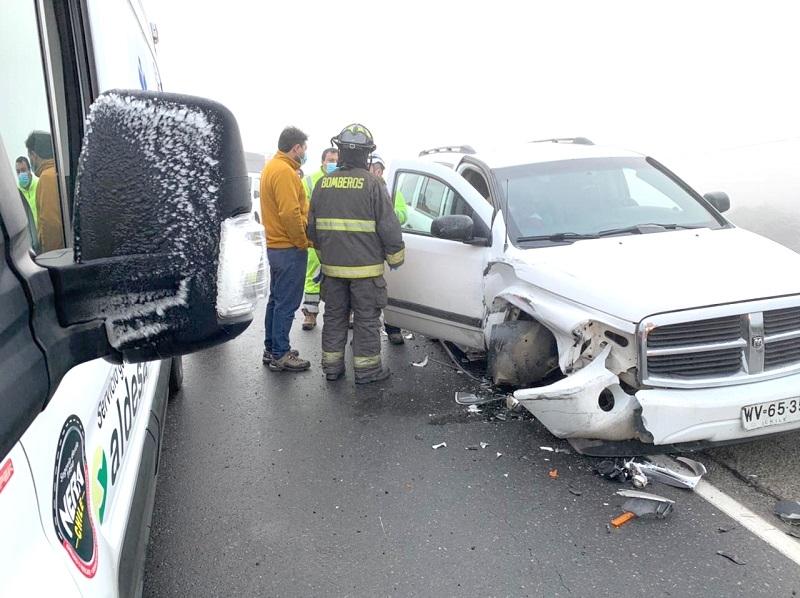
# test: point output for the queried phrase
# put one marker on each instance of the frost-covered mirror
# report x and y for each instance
(157, 176)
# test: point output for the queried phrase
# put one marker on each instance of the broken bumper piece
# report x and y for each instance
(590, 404)
(586, 404)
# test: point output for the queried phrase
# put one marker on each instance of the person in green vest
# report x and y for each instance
(27, 182)
(377, 166)
(313, 273)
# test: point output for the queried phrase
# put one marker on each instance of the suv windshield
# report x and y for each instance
(574, 199)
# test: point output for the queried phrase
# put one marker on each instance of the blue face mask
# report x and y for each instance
(303, 159)
(331, 166)
(24, 178)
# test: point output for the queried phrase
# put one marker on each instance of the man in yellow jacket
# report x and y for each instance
(313, 274)
(48, 204)
(284, 212)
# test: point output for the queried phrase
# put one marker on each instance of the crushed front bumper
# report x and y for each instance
(573, 408)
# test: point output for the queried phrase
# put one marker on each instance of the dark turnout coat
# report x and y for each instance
(353, 226)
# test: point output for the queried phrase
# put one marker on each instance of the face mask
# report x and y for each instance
(331, 166)
(303, 159)
(24, 178)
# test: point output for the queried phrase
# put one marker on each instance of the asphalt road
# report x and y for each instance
(279, 484)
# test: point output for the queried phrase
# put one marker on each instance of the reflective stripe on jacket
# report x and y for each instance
(310, 181)
(353, 225)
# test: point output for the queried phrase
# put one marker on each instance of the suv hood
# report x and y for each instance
(634, 276)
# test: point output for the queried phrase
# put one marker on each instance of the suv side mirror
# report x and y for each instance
(457, 227)
(718, 199)
(166, 255)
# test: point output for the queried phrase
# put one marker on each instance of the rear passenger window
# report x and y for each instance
(25, 126)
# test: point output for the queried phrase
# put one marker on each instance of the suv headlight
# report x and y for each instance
(242, 273)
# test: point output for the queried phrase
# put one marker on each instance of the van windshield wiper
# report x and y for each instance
(557, 237)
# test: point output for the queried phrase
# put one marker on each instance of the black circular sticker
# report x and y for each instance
(72, 514)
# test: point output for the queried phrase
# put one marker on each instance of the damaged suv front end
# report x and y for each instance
(627, 313)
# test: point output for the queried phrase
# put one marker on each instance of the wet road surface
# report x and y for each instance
(281, 484)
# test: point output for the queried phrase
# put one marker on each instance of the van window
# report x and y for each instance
(26, 126)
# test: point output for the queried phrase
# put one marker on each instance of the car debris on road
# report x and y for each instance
(643, 504)
(788, 511)
(640, 473)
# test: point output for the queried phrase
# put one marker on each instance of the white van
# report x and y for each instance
(149, 251)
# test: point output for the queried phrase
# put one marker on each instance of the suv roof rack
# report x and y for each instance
(578, 140)
(452, 149)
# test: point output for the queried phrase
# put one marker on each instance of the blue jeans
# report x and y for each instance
(287, 275)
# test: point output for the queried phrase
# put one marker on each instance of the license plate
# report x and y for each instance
(770, 414)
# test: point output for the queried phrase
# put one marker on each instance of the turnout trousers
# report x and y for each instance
(366, 297)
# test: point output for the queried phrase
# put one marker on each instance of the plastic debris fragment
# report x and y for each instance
(440, 445)
(788, 511)
(553, 474)
(610, 470)
(420, 364)
(575, 492)
(473, 409)
(645, 495)
(484, 444)
(642, 504)
(499, 455)
(408, 336)
(468, 398)
(546, 448)
(673, 478)
(731, 557)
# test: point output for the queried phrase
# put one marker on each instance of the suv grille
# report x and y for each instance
(749, 342)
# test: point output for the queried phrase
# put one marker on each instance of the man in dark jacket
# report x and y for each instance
(354, 230)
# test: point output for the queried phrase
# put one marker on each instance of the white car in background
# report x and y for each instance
(627, 312)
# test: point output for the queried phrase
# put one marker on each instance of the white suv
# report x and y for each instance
(626, 311)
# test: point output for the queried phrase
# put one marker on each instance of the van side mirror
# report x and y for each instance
(166, 252)
(718, 199)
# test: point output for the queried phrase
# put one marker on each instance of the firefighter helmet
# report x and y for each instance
(355, 137)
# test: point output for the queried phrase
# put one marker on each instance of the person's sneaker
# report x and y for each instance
(376, 377)
(310, 320)
(266, 357)
(396, 338)
(332, 376)
(289, 363)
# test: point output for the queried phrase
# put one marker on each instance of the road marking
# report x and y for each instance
(778, 539)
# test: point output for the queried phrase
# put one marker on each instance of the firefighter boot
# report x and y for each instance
(310, 320)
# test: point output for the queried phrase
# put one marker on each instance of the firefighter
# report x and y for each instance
(354, 229)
